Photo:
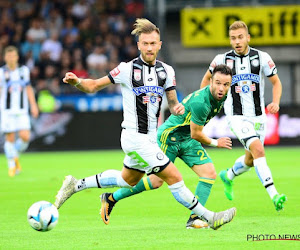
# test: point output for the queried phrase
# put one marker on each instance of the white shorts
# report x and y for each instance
(14, 122)
(142, 152)
(248, 129)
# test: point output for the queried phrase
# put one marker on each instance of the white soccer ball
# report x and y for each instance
(42, 216)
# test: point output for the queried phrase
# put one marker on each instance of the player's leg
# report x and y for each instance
(21, 145)
(183, 195)
(147, 183)
(107, 179)
(241, 165)
(264, 173)
(245, 132)
(10, 153)
(22, 142)
(196, 157)
(9, 127)
(109, 200)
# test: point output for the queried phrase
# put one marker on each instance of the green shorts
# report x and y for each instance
(189, 150)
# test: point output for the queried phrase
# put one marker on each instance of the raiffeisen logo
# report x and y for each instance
(245, 77)
(149, 89)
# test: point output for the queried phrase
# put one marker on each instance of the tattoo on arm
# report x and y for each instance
(172, 98)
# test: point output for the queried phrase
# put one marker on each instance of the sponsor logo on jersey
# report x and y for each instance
(271, 64)
(245, 77)
(162, 75)
(229, 63)
(153, 99)
(245, 88)
(150, 79)
(114, 72)
(255, 62)
(156, 169)
(213, 64)
(137, 74)
(159, 156)
(149, 89)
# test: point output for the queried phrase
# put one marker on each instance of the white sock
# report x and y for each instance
(10, 153)
(265, 176)
(21, 145)
(106, 179)
(184, 196)
(238, 168)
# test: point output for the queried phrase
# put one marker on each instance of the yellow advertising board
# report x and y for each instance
(272, 25)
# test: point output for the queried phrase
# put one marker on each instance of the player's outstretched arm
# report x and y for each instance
(197, 134)
(86, 85)
(205, 80)
(176, 108)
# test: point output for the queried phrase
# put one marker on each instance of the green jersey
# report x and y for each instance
(200, 107)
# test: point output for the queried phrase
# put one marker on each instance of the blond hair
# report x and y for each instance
(143, 25)
(238, 25)
(10, 49)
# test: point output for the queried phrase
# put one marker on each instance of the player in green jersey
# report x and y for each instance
(181, 136)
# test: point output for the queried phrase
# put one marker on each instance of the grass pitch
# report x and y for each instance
(152, 220)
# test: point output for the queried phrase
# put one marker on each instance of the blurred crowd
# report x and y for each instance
(87, 37)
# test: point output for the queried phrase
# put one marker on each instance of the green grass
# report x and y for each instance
(152, 220)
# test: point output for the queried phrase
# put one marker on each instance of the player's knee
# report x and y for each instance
(131, 183)
(257, 152)
(157, 183)
(210, 173)
(25, 137)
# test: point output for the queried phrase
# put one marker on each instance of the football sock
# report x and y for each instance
(203, 189)
(238, 168)
(10, 153)
(106, 179)
(184, 196)
(265, 176)
(143, 185)
(21, 145)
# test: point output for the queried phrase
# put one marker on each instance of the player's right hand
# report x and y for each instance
(225, 142)
(70, 78)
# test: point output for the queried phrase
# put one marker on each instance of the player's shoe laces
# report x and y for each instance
(12, 171)
(278, 201)
(221, 218)
(107, 204)
(227, 185)
(18, 166)
(194, 222)
(66, 191)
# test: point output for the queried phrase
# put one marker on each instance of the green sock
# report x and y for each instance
(144, 184)
(203, 189)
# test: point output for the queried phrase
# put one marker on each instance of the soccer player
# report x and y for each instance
(16, 96)
(245, 107)
(143, 83)
(181, 136)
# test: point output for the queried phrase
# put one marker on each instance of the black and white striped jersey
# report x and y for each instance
(13, 85)
(246, 95)
(142, 87)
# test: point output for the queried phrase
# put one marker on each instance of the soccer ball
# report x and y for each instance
(42, 216)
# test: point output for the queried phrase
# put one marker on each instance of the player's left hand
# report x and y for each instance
(273, 108)
(178, 109)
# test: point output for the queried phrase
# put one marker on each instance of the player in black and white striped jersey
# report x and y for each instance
(16, 96)
(143, 83)
(245, 107)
